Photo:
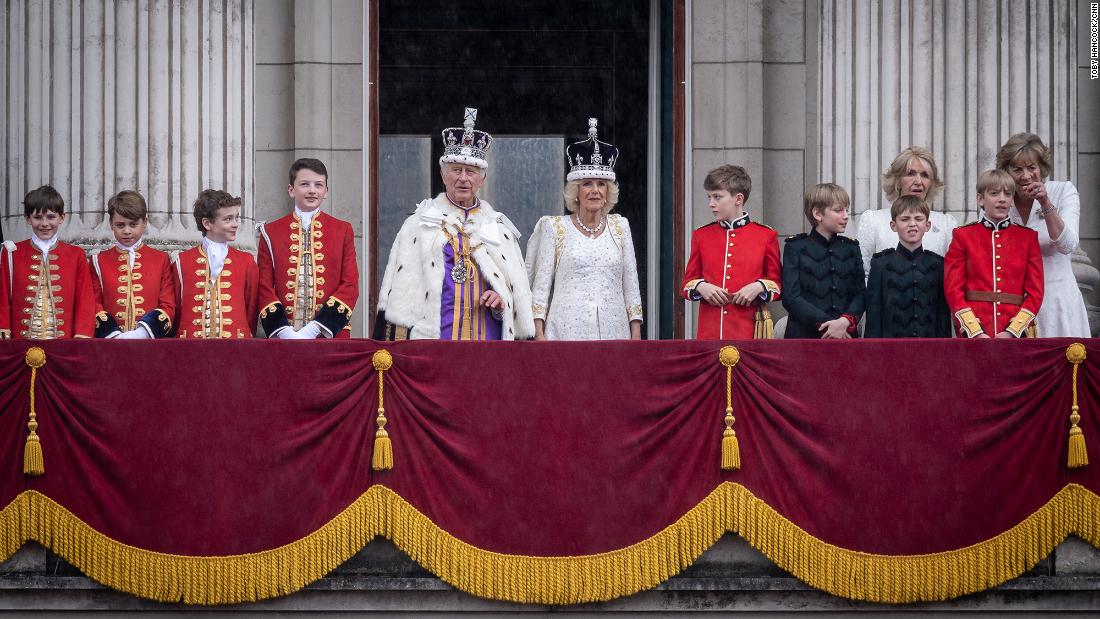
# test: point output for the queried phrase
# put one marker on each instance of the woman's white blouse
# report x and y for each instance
(584, 288)
(874, 234)
(1063, 311)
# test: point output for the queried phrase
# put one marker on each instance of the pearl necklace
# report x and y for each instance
(592, 232)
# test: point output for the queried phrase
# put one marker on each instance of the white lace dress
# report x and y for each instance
(584, 288)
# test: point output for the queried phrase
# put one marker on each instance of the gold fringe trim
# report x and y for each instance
(552, 580)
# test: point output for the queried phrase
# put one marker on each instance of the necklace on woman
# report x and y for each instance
(592, 232)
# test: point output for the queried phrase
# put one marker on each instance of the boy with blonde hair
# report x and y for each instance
(823, 271)
(993, 271)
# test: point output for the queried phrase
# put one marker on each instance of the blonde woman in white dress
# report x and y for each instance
(1053, 209)
(912, 173)
(583, 272)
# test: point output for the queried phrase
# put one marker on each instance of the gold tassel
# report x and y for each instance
(731, 449)
(382, 456)
(382, 459)
(764, 328)
(1078, 453)
(33, 462)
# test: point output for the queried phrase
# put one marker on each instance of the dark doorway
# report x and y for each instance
(536, 68)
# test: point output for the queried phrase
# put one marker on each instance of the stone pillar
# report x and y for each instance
(956, 77)
(1088, 278)
(152, 95)
(309, 85)
(750, 84)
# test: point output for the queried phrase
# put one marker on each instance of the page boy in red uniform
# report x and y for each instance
(734, 264)
(309, 277)
(135, 291)
(46, 289)
(217, 284)
(993, 270)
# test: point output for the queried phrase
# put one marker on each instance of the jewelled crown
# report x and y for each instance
(591, 158)
(466, 144)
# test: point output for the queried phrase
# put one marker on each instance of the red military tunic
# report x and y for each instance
(731, 255)
(330, 290)
(223, 308)
(32, 306)
(130, 295)
(993, 278)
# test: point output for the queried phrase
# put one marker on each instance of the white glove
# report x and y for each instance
(137, 333)
(286, 333)
(310, 331)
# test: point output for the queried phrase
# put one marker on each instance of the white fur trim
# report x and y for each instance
(466, 159)
(578, 174)
(412, 283)
(502, 218)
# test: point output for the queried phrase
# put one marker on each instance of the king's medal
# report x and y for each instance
(458, 273)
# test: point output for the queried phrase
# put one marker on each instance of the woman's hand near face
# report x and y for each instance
(713, 294)
(1037, 191)
(749, 294)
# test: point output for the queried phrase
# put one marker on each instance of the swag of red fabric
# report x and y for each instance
(544, 448)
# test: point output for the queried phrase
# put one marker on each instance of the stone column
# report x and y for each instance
(152, 95)
(956, 77)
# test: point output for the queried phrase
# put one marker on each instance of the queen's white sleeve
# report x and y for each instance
(632, 293)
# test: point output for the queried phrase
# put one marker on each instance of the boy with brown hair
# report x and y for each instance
(823, 271)
(905, 288)
(45, 285)
(734, 263)
(309, 275)
(217, 284)
(131, 276)
(993, 271)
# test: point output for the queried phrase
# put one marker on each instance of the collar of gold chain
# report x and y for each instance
(453, 240)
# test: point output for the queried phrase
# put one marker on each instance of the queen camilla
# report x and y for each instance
(584, 276)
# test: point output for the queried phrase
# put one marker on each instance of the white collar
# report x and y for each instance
(215, 255)
(131, 248)
(306, 217)
(44, 246)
